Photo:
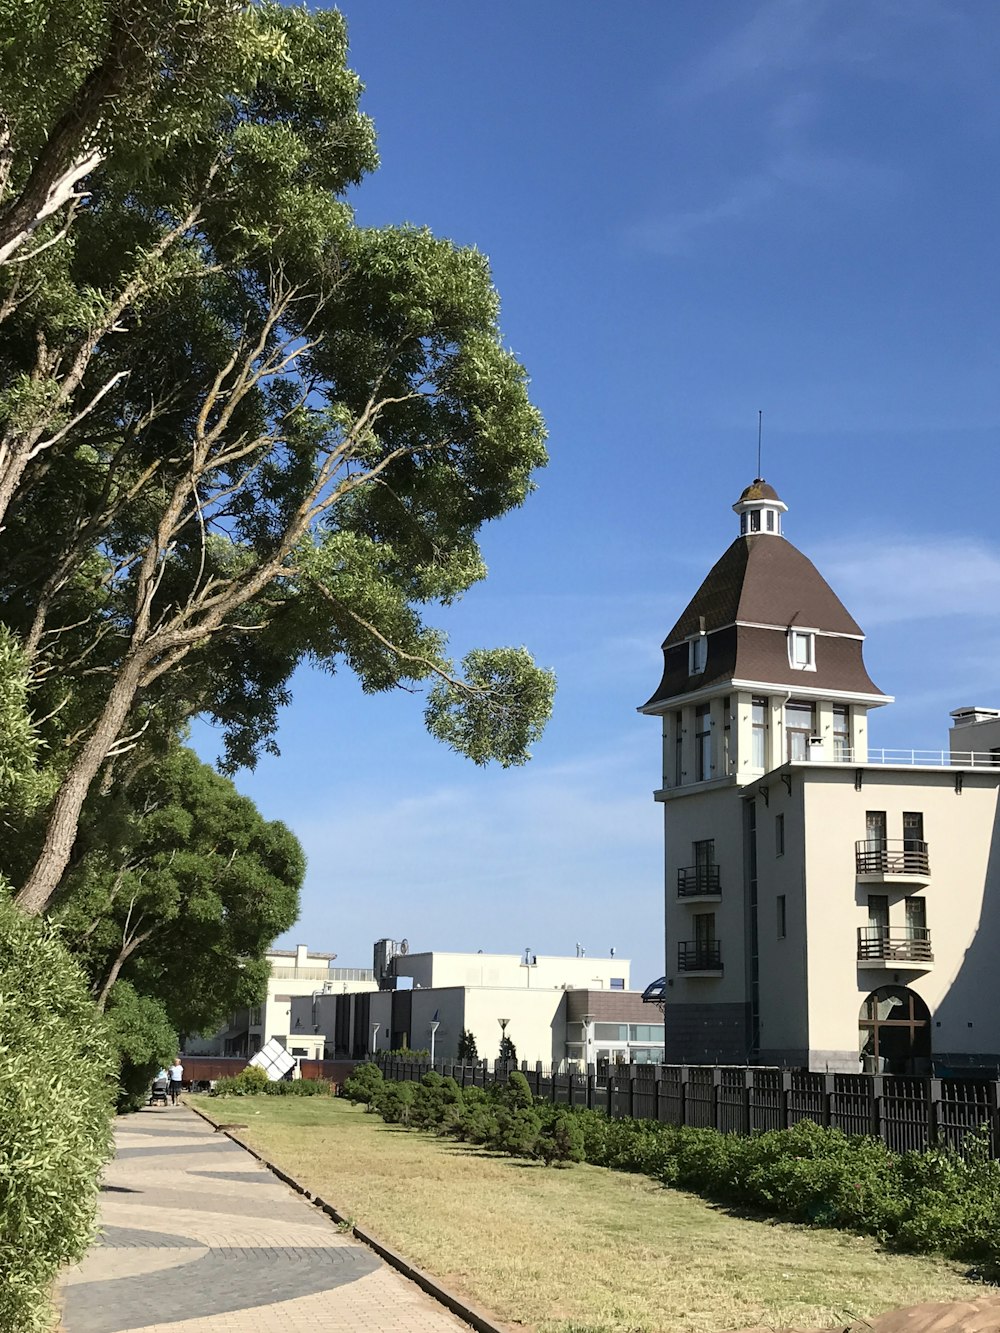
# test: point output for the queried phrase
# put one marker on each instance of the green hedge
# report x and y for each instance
(253, 1082)
(56, 1093)
(937, 1200)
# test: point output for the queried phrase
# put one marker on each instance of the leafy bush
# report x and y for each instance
(518, 1094)
(145, 1041)
(517, 1132)
(249, 1082)
(561, 1139)
(56, 1091)
(364, 1085)
(404, 1053)
(395, 1102)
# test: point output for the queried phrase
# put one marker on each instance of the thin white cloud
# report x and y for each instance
(886, 580)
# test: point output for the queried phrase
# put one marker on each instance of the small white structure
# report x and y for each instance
(274, 1060)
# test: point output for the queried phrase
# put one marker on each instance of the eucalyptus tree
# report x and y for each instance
(240, 431)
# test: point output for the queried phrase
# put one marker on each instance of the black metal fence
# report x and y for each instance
(907, 1112)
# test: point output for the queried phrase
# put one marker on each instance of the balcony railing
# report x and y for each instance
(698, 881)
(911, 945)
(699, 956)
(907, 856)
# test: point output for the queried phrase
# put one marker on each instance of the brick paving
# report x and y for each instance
(198, 1237)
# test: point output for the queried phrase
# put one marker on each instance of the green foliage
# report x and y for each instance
(938, 1200)
(395, 1101)
(560, 1140)
(253, 1082)
(517, 1132)
(508, 1051)
(517, 1095)
(364, 1085)
(249, 1082)
(405, 1053)
(467, 1052)
(145, 1042)
(55, 1108)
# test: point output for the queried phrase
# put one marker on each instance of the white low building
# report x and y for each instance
(556, 1010)
(295, 974)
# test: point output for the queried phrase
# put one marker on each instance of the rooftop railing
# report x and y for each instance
(916, 758)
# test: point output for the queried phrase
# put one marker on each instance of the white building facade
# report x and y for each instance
(826, 905)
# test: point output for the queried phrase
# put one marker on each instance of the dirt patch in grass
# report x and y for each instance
(583, 1250)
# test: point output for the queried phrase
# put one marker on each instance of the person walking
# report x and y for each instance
(176, 1080)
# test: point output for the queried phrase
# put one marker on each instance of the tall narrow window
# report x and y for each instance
(727, 731)
(779, 835)
(758, 716)
(755, 521)
(799, 723)
(916, 918)
(704, 863)
(913, 831)
(802, 650)
(678, 748)
(841, 732)
(770, 520)
(703, 742)
(781, 916)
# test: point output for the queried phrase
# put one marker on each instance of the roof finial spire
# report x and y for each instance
(760, 428)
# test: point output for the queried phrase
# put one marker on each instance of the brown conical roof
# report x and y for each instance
(757, 590)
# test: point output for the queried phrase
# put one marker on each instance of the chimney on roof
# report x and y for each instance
(301, 955)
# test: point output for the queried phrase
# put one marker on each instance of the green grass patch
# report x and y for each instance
(585, 1250)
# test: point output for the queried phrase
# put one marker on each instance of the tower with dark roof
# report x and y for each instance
(763, 669)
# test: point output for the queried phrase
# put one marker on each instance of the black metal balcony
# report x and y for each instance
(698, 882)
(699, 956)
(880, 944)
(907, 856)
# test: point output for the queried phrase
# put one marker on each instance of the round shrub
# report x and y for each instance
(56, 1092)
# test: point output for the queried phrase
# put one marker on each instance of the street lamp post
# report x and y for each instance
(375, 1028)
(434, 1028)
(503, 1041)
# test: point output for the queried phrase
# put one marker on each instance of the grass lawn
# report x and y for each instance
(583, 1250)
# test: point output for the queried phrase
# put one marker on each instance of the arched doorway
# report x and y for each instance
(894, 1032)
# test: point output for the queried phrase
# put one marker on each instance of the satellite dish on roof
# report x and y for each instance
(404, 946)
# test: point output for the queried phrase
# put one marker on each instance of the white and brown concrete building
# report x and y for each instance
(827, 905)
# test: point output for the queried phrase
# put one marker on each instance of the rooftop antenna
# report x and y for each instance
(760, 427)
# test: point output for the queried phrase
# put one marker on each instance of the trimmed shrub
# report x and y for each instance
(249, 1082)
(518, 1093)
(395, 1102)
(56, 1093)
(364, 1085)
(561, 1139)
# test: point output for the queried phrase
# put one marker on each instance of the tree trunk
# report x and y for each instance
(65, 814)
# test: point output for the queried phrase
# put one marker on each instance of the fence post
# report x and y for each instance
(716, 1100)
(631, 1094)
(933, 1110)
(657, 1088)
(786, 1087)
(829, 1092)
(683, 1090)
(748, 1100)
(877, 1093)
(993, 1098)
(609, 1087)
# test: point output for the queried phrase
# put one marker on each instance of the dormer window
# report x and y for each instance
(697, 654)
(802, 649)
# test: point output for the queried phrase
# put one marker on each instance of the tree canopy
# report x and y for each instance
(237, 430)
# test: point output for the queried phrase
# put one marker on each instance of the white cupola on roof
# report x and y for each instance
(760, 509)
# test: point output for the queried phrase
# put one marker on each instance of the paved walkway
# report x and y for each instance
(198, 1237)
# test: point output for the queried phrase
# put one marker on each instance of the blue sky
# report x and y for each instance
(693, 211)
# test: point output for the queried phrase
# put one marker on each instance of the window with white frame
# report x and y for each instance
(802, 649)
(697, 654)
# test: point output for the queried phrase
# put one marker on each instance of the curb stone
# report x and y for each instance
(476, 1319)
